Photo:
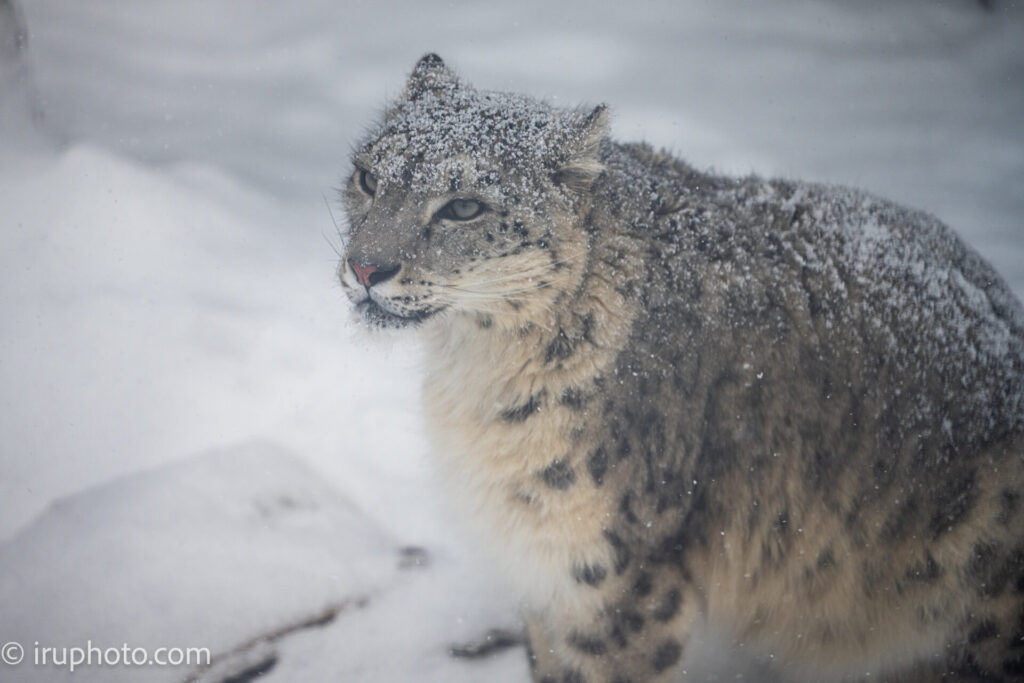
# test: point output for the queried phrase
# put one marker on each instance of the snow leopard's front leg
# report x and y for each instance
(638, 637)
(545, 666)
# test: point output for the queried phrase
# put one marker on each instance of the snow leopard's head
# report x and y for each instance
(468, 202)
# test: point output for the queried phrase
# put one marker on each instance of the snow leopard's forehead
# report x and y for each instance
(487, 132)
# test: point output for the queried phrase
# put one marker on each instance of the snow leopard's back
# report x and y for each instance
(843, 378)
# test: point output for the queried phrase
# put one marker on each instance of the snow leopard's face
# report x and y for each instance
(467, 202)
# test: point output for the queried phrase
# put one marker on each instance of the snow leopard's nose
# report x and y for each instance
(371, 275)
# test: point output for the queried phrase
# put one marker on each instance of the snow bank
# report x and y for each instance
(210, 552)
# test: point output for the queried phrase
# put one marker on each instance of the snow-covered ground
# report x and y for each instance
(199, 447)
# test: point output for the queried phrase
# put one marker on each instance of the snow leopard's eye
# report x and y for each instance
(367, 182)
(462, 209)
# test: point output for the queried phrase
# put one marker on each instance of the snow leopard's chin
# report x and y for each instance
(374, 315)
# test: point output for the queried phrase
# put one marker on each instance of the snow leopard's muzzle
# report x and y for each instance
(381, 298)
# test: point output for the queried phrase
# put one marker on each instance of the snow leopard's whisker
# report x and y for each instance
(538, 273)
(499, 279)
(484, 297)
(337, 252)
(337, 229)
(522, 288)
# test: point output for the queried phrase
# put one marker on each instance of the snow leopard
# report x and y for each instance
(664, 398)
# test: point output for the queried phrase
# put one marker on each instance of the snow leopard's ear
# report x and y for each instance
(429, 75)
(583, 163)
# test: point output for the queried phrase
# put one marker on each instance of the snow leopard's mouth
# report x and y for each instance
(377, 316)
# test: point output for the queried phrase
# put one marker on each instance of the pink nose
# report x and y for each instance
(363, 273)
(369, 276)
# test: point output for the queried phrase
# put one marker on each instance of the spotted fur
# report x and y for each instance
(793, 411)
